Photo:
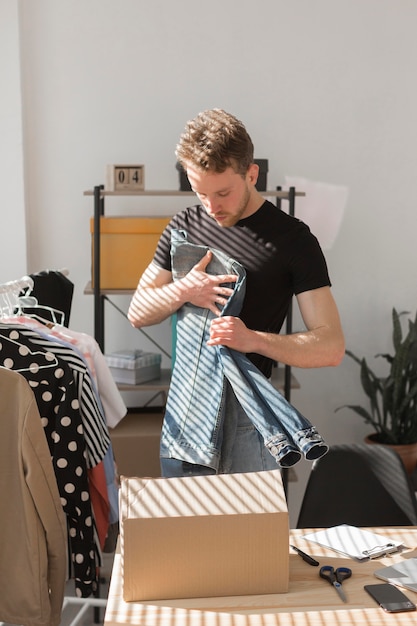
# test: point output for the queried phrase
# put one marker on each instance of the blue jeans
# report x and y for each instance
(207, 381)
(243, 449)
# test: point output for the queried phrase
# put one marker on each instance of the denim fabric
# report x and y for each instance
(195, 411)
(243, 449)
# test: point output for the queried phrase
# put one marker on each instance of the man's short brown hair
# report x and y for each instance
(214, 141)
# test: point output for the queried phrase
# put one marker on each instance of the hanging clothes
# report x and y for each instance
(104, 492)
(52, 288)
(56, 393)
(95, 428)
(33, 535)
(111, 400)
(49, 354)
(102, 395)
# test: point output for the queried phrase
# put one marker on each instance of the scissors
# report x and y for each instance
(335, 577)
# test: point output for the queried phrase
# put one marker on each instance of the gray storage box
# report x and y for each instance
(133, 367)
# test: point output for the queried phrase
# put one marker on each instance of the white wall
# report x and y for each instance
(327, 91)
(13, 261)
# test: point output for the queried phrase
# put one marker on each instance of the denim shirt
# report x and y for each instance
(193, 423)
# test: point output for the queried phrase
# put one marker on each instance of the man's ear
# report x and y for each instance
(253, 173)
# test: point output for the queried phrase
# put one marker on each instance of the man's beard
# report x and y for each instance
(231, 220)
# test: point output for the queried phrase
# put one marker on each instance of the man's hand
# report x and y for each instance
(157, 296)
(205, 290)
(231, 332)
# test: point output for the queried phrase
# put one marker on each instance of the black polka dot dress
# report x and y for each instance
(58, 395)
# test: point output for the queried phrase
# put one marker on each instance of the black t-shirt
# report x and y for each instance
(279, 253)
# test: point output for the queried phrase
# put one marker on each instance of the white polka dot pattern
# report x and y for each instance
(56, 392)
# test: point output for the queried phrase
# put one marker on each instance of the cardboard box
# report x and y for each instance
(135, 442)
(132, 367)
(127, 246)
(204, 536)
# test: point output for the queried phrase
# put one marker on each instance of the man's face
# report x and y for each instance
(227, 197)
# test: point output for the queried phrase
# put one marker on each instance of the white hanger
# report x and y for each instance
(9, 294)
(11, 303)
(34, 367)
(32, 303)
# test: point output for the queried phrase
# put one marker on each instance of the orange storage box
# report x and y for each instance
(127, 246)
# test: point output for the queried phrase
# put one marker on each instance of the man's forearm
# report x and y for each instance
(321, 347)
(152, 305)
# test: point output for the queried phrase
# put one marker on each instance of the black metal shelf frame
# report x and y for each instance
(101, 297)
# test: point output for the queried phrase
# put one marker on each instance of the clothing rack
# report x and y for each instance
(10, 305)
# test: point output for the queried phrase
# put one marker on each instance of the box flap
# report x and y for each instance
(225, 494)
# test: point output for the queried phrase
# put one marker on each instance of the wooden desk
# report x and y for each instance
(310, 600)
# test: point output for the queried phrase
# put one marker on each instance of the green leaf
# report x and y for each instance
(392, 399)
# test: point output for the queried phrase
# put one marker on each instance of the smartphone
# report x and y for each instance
(390, 598)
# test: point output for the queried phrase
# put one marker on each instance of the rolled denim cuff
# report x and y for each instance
(283, 451)
(311, 443)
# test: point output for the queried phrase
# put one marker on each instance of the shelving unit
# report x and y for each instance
(282, 380)
(100, 296)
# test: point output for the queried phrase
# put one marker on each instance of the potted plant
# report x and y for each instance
(392, 410)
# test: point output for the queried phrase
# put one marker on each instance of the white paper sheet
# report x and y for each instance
(322, 208)
(403, 574)
(354, 542)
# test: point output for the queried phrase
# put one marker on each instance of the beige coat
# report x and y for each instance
(33, 536)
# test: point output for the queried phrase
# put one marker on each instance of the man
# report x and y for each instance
(280, 258)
